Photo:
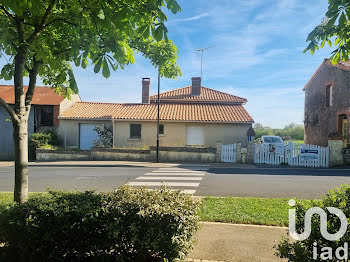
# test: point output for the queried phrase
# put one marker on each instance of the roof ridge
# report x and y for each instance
(183, 93)
(172, 90)
(224, 92)
(327, 61)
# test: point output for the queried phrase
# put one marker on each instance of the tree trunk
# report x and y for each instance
(20, 138)
(20, 128)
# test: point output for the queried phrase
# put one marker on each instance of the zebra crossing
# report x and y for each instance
(176, 178)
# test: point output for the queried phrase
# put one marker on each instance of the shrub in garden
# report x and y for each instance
(105, 134)
(37, 140)
(125, 225)
(304, 250)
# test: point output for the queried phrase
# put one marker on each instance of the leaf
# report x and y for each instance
(98, 65)
(329, 43)
(101, 15)
(105, 69)
(323, 43)
(336, 59)
(337, 41)
(72, 83)
(84, 63)
(77, 61)
(158, 33)
(331, 21)
(342, 19)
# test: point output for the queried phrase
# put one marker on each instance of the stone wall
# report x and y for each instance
(166, 154)
(56, 155)
(321, 120)
(335, 152)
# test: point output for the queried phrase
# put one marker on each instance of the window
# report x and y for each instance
(194, 135)
(161, 129)
(43, 116)
(135, 131)
(329, 95)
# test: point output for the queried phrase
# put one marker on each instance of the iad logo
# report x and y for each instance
(327, 252)
(323, 219)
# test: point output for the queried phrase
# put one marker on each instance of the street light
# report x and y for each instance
(158, 102)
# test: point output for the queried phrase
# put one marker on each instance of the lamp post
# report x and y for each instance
(158, 102)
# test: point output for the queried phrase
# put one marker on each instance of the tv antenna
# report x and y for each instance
(202, 51)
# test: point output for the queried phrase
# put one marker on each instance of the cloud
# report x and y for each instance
(193, 18)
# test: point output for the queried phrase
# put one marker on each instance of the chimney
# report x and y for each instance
(146, 82)
(196, 86)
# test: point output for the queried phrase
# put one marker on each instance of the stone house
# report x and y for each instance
(327, 104)
(47, 105)
(189, 116)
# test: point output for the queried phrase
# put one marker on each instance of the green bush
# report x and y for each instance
(303, 250)
(38, 140)
(125, 225)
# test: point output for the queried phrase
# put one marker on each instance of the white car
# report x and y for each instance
(276, 144)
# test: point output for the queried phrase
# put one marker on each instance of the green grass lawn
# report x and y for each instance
(241, 210)
(259, 211)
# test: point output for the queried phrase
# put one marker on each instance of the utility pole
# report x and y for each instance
(158, 102)
(202, 51)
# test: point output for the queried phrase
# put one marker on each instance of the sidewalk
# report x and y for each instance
(128, 163)
(237, 243)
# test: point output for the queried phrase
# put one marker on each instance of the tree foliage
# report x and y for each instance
(334, 28)
(106, 34)
(46, 38)
(289, 132)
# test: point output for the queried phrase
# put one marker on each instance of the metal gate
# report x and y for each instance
(228, 153)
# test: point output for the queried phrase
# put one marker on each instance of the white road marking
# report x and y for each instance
(168, 178)
(174, 174)
(186, 191)
(177, 171)
(180, 184)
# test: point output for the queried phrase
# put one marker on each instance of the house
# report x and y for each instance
(327, 103)
(47, 105)
(189, 116)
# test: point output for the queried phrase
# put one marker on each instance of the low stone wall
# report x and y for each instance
(55, 155)
(120, 154)
(166, 154)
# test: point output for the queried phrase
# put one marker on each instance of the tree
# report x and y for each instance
(45, 37)
(334, 27)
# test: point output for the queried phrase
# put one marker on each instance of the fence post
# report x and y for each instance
(218, 151)
(238, 153)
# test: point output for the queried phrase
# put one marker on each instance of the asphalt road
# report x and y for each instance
(240, 182)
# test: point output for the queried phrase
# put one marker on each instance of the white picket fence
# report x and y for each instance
(228, 153)
(293, 154)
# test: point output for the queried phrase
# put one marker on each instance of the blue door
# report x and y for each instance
(87, 136)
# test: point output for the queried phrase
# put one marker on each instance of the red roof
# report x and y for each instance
(43, 95)
(207, 95)
(229, 113)
(341, 65)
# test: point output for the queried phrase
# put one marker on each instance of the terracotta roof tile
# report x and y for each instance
(43, 95)
(207, 95)
(168, 112)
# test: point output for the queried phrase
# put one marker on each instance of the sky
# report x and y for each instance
(258, 55)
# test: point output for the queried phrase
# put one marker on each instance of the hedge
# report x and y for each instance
(125, 225)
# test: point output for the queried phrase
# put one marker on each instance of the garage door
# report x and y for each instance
(87, 136)
(194, 135)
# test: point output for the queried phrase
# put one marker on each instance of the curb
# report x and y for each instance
(202, 260)
(242, 225)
